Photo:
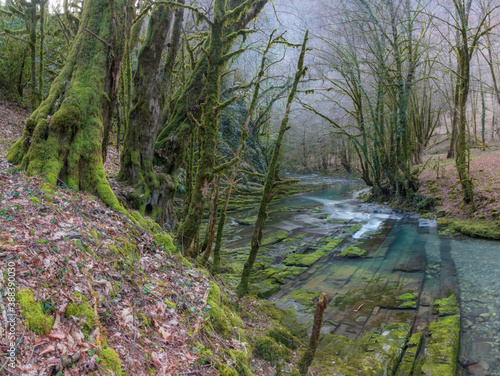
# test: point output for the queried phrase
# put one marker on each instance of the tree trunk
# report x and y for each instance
(267, 195)
(454, 119)
(238, 156)
(63, 138)
(152, 193)
(308, 356)
(216, 55)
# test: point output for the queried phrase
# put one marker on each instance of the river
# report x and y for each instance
(405, 254)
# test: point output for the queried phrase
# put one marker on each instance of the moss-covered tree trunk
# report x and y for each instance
(188, 231)
(152, 192)
(173, 140)
(63, 138)
(267, 195)
(224, 29)
(238, 155)
(308, 356)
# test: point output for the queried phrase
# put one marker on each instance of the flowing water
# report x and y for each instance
(405, 254)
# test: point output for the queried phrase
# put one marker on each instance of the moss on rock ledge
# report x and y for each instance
(353, 252)
(442, 350)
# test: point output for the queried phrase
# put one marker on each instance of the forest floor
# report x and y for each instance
(92, 285)
(440, 180)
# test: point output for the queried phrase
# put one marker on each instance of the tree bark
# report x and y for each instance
(152, 192)
(269, 186)
(224, 30)
(308, 356)
(63, 138)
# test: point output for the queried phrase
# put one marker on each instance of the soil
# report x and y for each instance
(439, 179)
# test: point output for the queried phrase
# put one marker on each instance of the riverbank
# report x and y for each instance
(439, 180)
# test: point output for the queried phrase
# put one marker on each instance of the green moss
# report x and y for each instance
(82, 310)
(32, 312)
(111, 361)
(447, 306)
(409, 304)
(226, 370)
(305, 297)
(323, 216)
(222, 317)
(214, 294)
(475, 228)
(303, 259)
(183, 261)
(274, 239)
(170, 304)
(283, 336)
(442, 349)
(164, 240)
(265, 288)
(408, 363)
(406, 297)
(352, 228)
(286, 317)
(376, 353)
(353, 252)
(270, 350)
(331, 245)
(35, 200)
(242, 362)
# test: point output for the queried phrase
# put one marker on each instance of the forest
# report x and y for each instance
(249, 187)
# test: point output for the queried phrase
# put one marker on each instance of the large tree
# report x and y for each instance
(143, 122)
(63, 138)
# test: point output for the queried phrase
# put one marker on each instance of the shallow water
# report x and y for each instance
(397, 242)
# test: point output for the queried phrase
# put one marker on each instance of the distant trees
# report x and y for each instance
(371, 57)
(468, 39)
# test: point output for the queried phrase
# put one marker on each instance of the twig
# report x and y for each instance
(356, 310)
(102, 40)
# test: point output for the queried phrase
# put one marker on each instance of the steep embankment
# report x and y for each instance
(440, 181)
(96, 294)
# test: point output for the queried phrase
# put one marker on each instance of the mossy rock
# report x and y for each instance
(376, 353)
(270, 350)
(408, 362)
(447, 306)
(475, 228)
(222, 317)
(82, 310)
(32, 311)
(111, 361)
(266, 288)
(406, 297)
(305, 297)
(286, 316)
(303, 259)
(331, 245)
(353, 252)
(274, 239)
(408, 305)
(442, 351)
(226, 370)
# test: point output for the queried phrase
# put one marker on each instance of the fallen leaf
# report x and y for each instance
(48, 350)
(155, 359)
(164, 333)
(56, 335)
